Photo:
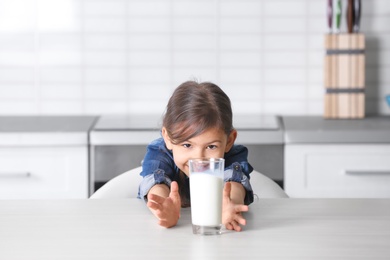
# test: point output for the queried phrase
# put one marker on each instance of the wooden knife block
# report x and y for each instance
(344, 71)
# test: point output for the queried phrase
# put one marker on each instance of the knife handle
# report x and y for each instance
(330, 15)
(338, 15)
(350, 15)
(357, 14)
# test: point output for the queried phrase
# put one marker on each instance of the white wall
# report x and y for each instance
(126, 56)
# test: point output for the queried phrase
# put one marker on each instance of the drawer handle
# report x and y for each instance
(367, 172)
(15, 174)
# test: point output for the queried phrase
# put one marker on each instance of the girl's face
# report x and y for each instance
(212, 143)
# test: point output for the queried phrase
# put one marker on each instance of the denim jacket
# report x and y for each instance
(158, 167)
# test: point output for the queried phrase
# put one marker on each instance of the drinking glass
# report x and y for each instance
(206, 190)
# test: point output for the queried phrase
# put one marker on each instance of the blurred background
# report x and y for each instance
(80, 57)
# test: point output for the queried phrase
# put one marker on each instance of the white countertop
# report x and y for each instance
(154, 121)
(125, 229)
(142, 129)
(316, 129)
(45, 130)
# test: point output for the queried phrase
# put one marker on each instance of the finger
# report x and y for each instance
(227, 189)
(240, 220)
(157, 199)
(174, 187)
(233, 226)
(241, 208)
(158, 211)
(163, 223)
(236, 226)
(229, 226)
(174, 193)
(153, 205)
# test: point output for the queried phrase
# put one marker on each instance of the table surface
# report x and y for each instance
(125, 229)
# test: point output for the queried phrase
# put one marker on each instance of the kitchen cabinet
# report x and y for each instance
(337, 158)
(44, 157)
(43, 172)
(118, 144)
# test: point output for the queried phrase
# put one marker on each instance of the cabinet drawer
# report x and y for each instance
(43, 172)
(337, 171)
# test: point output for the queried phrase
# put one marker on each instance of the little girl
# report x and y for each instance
(197, 124)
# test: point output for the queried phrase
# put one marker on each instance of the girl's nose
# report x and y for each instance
(199, 153)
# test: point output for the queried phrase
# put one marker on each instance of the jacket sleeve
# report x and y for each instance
(157, 167)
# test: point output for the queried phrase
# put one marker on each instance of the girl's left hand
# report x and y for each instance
(231, 212)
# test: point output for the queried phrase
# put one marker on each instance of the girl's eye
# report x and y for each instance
(186, 145)
(212, 147)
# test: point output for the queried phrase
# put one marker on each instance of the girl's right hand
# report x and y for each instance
(166, 209)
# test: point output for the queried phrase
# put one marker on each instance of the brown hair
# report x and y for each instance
(195, 107)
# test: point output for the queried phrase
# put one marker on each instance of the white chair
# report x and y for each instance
(122, 186)
(265, 187)
(126, 186)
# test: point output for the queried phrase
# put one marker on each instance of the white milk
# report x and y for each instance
(206, 199)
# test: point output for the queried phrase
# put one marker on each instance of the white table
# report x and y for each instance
(125, 229)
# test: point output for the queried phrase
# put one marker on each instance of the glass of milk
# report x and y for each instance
(206, 188)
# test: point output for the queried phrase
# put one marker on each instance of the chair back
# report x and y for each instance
(122, 186)
(126, 185)
(265, 187)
